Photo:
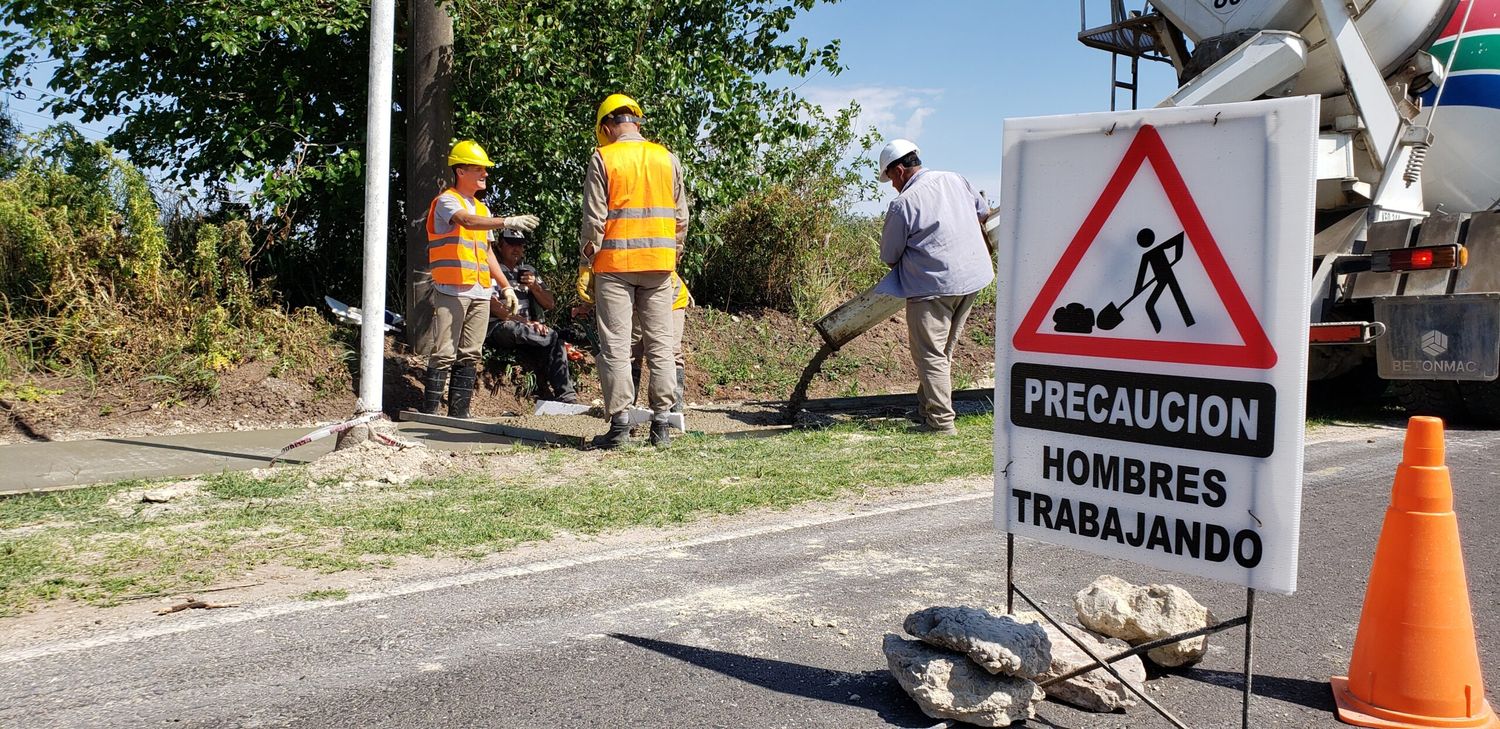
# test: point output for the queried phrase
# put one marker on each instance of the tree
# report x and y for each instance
(429, 122)
(219, 95)
(268, 94)
(10, 157)
(531, 76)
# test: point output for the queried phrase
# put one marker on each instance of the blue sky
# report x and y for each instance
(944, 73)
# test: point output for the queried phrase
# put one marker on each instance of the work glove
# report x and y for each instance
(523, 223)
(511, 302)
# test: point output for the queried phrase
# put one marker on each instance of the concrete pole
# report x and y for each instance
(429, 129)
(377, 204)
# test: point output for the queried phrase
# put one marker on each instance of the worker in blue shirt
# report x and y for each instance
(933, 241)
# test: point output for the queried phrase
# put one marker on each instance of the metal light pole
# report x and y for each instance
(377, 205)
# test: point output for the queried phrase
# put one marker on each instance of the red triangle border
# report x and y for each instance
(1255, 353)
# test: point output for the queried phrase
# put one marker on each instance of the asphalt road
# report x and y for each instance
(774, 626)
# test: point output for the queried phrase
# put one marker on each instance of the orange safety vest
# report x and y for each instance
(458, 257)
(640, 232)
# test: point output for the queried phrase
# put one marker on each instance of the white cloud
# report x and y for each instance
(894, 111)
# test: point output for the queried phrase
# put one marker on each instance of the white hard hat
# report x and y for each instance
(894, 150)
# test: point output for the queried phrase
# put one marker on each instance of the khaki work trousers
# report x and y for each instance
(458, 328)
(933, 327)
(621, 300)
(679, 322)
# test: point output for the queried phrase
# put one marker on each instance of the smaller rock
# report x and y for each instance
(170, 492)
(1137, 614)
(948, 686)
(998, 645)
(1097, 690)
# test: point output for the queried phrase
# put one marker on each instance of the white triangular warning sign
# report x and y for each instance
(1174, 298)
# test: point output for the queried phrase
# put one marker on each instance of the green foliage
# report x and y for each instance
(10, 134)
(272, 93)
(73, 545)
(792, 245)
(324, 595)
(269, 92)
(780, 250)
(92, 284)
(25, 392)
(530, 76)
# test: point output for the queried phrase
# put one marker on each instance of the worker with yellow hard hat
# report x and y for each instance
(464, 272)
(635, 217)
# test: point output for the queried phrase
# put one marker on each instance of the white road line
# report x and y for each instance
(219, 619)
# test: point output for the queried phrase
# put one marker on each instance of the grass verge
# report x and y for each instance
(101, 546)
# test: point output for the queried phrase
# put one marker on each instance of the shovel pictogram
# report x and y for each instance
(1110, 316)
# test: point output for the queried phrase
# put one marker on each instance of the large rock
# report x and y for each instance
(1137, 614)
(997, 644)
(949, 686)
(1097, 690)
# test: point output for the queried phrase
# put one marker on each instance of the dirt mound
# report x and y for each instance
(373, 461)
(730, 358)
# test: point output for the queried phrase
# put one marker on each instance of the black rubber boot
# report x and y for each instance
(661, 433)
(678, 406)
(432, 390)
(461, 391)
(618, 435)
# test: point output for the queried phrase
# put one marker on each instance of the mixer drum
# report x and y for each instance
(1392, 29)
(1462, 173)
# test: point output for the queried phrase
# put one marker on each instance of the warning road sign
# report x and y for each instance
(1152, 330)
(1067, 330)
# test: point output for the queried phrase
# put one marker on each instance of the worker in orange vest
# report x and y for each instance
(464, 273)
(635, 217)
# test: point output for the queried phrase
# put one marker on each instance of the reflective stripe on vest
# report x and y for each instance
(458, 257)
(640, 231)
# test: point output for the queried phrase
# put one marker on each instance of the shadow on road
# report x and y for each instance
(1300, 691)
(877, 690)
(236, 455)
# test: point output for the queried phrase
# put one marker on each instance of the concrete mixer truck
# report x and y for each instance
(1406, 282)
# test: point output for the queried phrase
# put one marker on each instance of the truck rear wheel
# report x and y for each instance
(1483, 400)
(1431, 397)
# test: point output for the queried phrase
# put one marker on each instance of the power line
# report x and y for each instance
(48, 121)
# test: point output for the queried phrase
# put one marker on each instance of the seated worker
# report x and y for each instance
(536, 346)
(680, 299)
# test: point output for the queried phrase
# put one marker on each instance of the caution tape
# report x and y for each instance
(337, 428)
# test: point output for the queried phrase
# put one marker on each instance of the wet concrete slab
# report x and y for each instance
(65, 464)
(48, 466)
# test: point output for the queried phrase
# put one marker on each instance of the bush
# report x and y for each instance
(93, 285)
(794, 246)
(781, 250)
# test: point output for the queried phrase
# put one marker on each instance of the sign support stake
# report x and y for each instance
(1247, 620)
(1010, 573)
(1249, 654)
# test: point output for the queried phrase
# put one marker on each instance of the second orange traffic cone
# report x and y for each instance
(1415, 662)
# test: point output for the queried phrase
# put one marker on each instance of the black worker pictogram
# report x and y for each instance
(1154, 275)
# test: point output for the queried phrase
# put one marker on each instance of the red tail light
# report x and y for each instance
(1449, 255)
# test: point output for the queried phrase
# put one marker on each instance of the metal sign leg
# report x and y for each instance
(1010, 573)
(1249, 654)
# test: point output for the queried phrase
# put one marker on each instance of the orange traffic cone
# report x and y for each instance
(1415, 662)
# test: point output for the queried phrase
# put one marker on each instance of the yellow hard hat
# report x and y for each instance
(614, 101)
(468, 152)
